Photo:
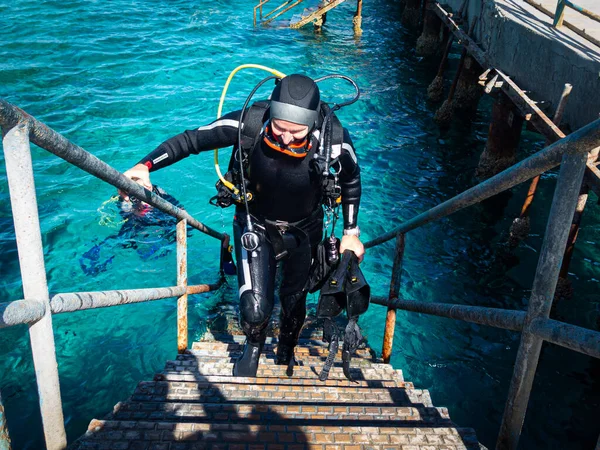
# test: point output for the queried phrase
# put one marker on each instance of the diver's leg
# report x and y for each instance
(256, 281)
(293, 291)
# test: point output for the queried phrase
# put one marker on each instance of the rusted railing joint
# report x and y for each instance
(576, 338)
(21, 312)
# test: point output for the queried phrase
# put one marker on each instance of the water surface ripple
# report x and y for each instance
(119, 77)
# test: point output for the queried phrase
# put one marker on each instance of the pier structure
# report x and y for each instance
(195, 403)
(314, 13)
(531, 61)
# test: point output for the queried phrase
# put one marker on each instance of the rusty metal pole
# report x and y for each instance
(428, 41)
(357, 20)
(574, 231)
(4, 437)
(390, 320)
(520, 227)
(435, 91)
(21, 184)
(542, 294)
(560, 109)
(182, 302)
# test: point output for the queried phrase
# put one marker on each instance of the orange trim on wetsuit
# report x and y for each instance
(274, 144)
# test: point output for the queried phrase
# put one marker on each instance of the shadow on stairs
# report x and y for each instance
(195, 403)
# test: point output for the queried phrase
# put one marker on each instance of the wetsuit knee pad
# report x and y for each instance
(255, 311)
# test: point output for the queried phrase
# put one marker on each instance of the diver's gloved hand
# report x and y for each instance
(353, 243)
(141, 175)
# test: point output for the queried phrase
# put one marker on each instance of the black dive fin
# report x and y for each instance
(358, 291)
(352, 340)
(333, 348)
(332, 299)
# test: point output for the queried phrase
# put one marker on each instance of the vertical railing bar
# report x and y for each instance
(390, 319)
(4, 437)
(21, 184)
(182, 302)
(544, 285)
(559, 15)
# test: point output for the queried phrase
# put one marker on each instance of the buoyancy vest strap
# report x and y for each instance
(337, 131)
(253, 123)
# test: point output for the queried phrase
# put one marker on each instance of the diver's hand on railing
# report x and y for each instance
(141, 175)
(353, 243)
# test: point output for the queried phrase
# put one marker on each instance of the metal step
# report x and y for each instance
(110, 434)
(161, 391)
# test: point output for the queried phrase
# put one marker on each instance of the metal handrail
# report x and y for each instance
(55, 143)
(558, 17)
(560, 12)
(19, 129)
(535, 325)
(586, 137)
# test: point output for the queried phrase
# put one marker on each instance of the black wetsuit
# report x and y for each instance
(287, 196)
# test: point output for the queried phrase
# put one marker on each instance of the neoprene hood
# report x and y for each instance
(296, 99)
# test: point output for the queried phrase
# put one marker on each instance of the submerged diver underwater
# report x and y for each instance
(292, 166)
(143, 228)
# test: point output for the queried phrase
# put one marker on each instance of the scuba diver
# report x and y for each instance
(143, 228)
(278, 164)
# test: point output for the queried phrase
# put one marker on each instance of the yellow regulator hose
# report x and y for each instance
(233, 72)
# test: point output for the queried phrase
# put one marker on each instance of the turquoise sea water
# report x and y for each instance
(118, 78)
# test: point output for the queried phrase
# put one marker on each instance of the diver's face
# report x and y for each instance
(288, 132)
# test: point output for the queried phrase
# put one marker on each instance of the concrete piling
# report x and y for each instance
(468, 90)
(428, 42)
(503, 138)
(435, 91)
(443, 116)
(357, 20)
(411, 16)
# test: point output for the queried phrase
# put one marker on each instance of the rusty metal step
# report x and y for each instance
(269, 359)
(372, 372)
(162, 391)
(108, 434)
(218, 349)
(340, 414)
(287, 381)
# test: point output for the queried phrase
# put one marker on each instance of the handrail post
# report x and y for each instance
(19, 170)
(559, 15)
(182, 306)
(4, 437)
(544, 285)
(390, 319)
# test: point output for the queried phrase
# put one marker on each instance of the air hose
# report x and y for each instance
(276, 73)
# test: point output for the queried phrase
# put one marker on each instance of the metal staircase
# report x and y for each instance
(315, 14)
(196, 403)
